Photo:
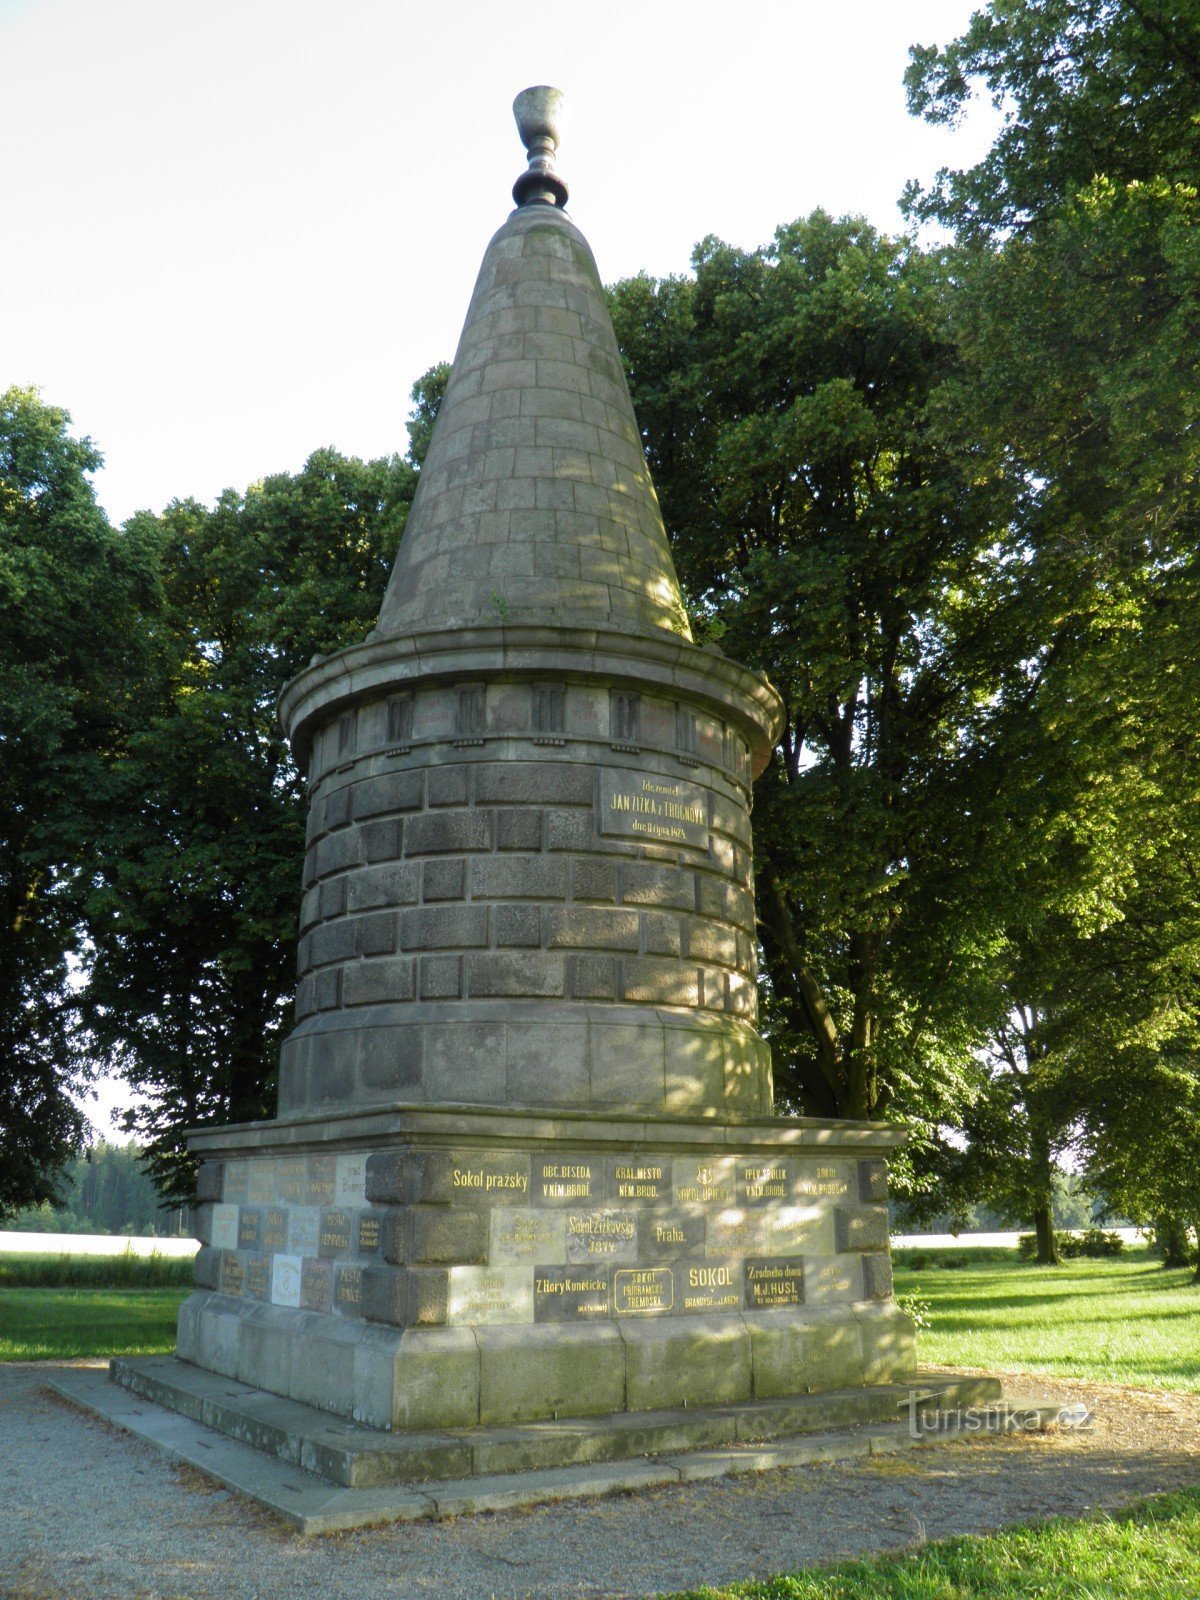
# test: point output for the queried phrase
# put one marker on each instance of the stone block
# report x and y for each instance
(265, 1350)
(382, 841)
(208, 1180)
(448, 785)
(377, 934)
(441, 977)
(626, 1066)
(444, 832)
(386, 794)
(658, 983)
(515, 975)
(593, 880)
(370, 983)
(518, 830)
(573, 830)
(187, 1337)
(332, 896)
(386, 1296)
(392, 885)
(525, 1373)
(873, 1182)
(444, 880)
(644, 884)
(334, 941)
(592, 927)
(533, 783)
(862, 1228)
(594, 977)
(710, 941)
(877, 1276)
(449, 927)
(661, 934)
(390, 1058)
(547, 1063)
(322, 1373)
(337, 807)
(465, 1061)
(435, 1379)
(338, 851)
(518, 878)
(888, 1343)
(206, 1267)
(434, 1235)
(803, 1355)
(518, 926)
(677, 1361)
(326, 988)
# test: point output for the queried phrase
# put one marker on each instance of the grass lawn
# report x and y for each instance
(1153, 1550)
(52, 1324)
(1122, 1320)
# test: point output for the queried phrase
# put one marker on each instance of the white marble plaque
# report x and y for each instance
(799, 1229)
(350, 1183)
(224, 1228)
(519, 1233)
(736, 1231)
(286, 1274)
(490, 1294)
(832, 1280)
(826, 1180)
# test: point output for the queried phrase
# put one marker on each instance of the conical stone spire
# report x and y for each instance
(535, 503)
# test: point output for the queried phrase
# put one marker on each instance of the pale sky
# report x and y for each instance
(238, 230)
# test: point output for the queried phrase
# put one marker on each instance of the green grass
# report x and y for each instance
(1152, 1550)
(126, 1271)
(53, 1324)
(1123, 1320)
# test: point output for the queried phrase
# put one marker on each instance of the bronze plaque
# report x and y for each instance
(336, 1233)
(774, 1283)
(274, 1228)
(638, 1291)
(641, 805)
(710, 1285)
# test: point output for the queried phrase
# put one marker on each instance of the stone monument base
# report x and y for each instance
(413, 1268)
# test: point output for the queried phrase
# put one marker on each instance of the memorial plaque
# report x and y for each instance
(640, 1291)
(337, 1233)
(260, 1183)
(710, 1285)
(291, 1177)
(490, 1294)
(763, 1180)
(565, 1180)
(368, 1233)
(824, 1180)
(736, 1231)
(498, 1177)
(570, 1294)
(773, 1283)
(249, 1228)
(703, 1182)
(519, 1233)
(275, 1228)
(236, 1183)
(258, 1278)
(224, 1227)
(350, 1180)
(316, 1286)
(668, 1236)
(638, 1179)
(319, 1181)
(347, 1294)
(304, 1230)
(285, 1280)
(800, 1230)
(231, 1278)
(602, 1234)
(832, 1280)
(642, 805)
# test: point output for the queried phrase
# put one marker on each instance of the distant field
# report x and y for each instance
(1123, 1320)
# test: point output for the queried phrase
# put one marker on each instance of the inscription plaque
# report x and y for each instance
(319, 1180)
(258, 1278)
(502, 1177)
(285, 1280)
(710, 1285)
(796, 1229)
(336, 1233)
(832, 1279)
(758, 1181)
(703, 1182)
(735, 1232)
(292, 1177)
(773, 1283)
(638, 1291)
(565, 1179)
(601, 1235)
(348, 1293)
(638, 1180)
(260, 1183)
(231, 1272)
(304, 1230)
(316, 1285)
(519, 1233)
(275, 1228)
(570, 1294)
(668, 1237)
(236, 1183)
(350, 1180)
(248, 1229)
(490, 1294)
(224, 1227)
(646, 806)
(368, 1234)
(821, 1180)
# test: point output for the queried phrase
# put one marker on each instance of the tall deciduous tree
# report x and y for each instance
(71, 592)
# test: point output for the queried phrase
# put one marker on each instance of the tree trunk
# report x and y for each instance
(1170, 1236)
(1043, 1226)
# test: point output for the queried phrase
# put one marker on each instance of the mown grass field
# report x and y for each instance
(54, 1308)
(1153, 1550)
(1123, 1320)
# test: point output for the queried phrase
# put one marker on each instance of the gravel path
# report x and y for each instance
(88, 1513)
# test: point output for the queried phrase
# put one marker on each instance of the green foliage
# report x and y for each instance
(106, 1190)
(192, 910)
(1093, 1243)
(72, 1324)
(71, 593)
(126, 1271)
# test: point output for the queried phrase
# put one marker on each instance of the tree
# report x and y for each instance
(71, 589)
(192, 909)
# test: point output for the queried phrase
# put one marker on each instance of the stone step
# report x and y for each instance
(356, 1456)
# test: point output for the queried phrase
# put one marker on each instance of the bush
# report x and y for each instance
(1092, 1243)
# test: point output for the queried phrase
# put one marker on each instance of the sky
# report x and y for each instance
(240, 230)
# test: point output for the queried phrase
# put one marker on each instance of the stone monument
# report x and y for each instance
(525, 1164)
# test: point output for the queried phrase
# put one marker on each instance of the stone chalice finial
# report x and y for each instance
(539, 114)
